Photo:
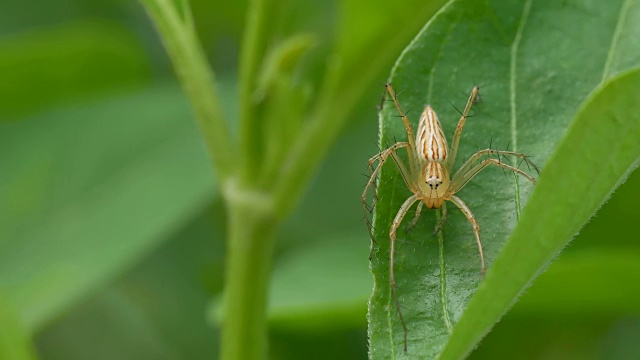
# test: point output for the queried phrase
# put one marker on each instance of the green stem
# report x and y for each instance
(253, 49)
(191, 67)
(250, 244)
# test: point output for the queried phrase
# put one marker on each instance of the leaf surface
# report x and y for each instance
(15, 342)
(65, 64)
(538, 62)
(85, 192)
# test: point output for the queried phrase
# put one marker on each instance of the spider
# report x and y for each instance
(428, 174)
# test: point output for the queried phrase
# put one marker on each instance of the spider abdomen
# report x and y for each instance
(430, 141)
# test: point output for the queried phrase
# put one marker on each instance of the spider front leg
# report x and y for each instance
(488, 152)
(472, 167)
(392, 235)
(476, 228)
(405, 121)
(458, 132)
(415, 217)
(440, 223)
(381, 158)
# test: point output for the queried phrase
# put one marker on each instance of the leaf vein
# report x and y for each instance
(390, 304)
(443, 277)
(614, 40)
(512, 79)
(439, 55)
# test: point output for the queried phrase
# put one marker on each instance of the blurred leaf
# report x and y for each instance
(15, 343)
(306, 233)
(321, 286)
(86, 192)
(68, 63)
(16, 15)
(591, 282)
(622, 340)
(219, 19)
(140, 316)
(365, 28)
(533, 95)
(109, 326)
(546, 338)
(614, 224)
(338, 343)
(325, 203)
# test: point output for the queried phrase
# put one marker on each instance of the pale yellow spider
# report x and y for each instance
(428, 174)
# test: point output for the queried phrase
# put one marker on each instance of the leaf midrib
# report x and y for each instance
(512, 94)
(614, 40)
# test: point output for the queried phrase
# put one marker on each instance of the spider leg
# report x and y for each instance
(466, 173)
(476, 228)
(383, 98)
(407, 125)
(392, 235)
(442, 220)
(488, 152)
(458, 132)
(381, 158)
(416, 216)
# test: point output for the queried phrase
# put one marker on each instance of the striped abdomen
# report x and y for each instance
(430, 141)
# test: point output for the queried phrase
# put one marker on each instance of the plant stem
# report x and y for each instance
(192, 69)
(248, 267)
(253, 48)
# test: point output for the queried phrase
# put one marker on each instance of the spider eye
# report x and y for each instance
(433, 183)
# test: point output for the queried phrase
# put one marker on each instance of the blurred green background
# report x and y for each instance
(112, 235)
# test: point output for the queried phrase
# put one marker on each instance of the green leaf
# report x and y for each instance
(15, 342)
(569, 180)
(308, 295)
(600, 281)
(66, 63)
(372, 34)
(566, 338)
(538, 69)
(88, 191)
(130, 319)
